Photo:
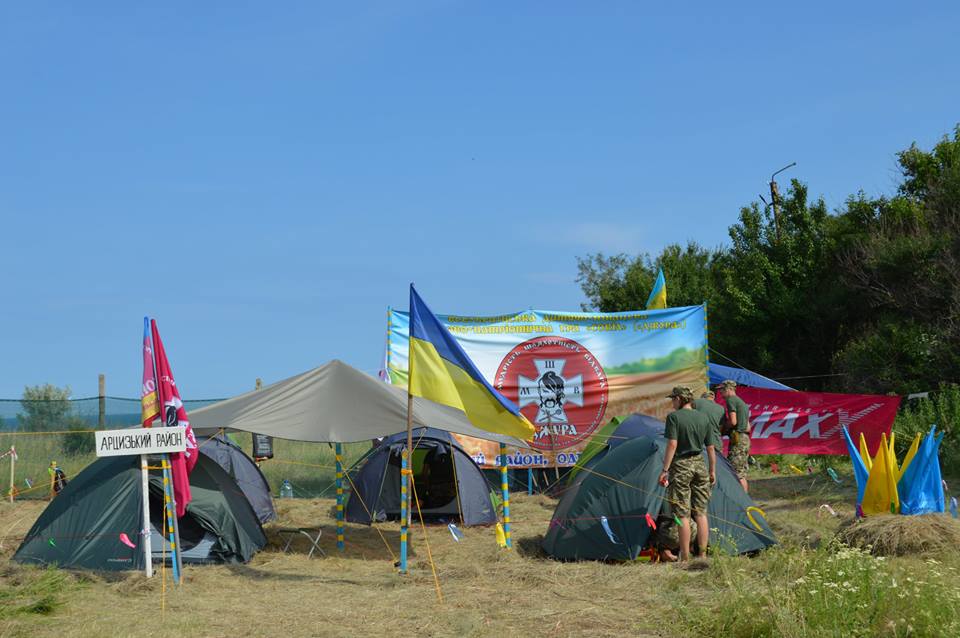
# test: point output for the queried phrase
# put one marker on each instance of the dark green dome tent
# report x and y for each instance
(618, 484)
(82, 526)
(243, 470)
(450, 485)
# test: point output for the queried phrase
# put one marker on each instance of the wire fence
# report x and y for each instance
(60, 432)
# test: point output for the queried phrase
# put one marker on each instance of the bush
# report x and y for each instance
(82, 443)
(941, 408)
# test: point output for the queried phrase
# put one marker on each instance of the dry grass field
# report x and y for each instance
(809, 586)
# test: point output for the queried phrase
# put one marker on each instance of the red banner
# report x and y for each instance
(789, 422)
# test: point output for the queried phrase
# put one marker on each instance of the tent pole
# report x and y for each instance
(145, 533)
(505, 487)
(173, 529)
(338, 451)
(403, 511)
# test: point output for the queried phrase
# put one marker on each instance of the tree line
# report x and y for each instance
(862, 299)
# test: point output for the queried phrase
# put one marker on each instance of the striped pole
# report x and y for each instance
(171, 517)
(403, 512)
(505, 488)
(339, 456)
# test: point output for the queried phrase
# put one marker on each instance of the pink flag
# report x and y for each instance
(174, 414)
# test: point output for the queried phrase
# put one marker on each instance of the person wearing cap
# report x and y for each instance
(738, 424)
(684, 474)
(714, 412)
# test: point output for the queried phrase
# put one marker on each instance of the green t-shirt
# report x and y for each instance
(690, 429)
(714, 412)
(736, 404)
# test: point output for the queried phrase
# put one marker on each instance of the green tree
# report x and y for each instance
(620, 283)
(45, 408)
(778, 307)
(899, 259)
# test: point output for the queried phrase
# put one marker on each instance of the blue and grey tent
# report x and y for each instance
(449, 484)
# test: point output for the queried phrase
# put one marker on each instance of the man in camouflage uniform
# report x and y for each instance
(738, 426)
(687, 480)
(714, 412)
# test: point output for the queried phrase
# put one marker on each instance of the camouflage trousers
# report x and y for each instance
(739, 453)
(689, 488)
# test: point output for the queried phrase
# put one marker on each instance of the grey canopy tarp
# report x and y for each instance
(334, 402)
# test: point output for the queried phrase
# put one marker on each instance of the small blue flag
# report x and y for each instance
(606, 527)
(834, 476)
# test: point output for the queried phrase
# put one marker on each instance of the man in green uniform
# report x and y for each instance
(688, 432)
(714, 412)
(738, 426)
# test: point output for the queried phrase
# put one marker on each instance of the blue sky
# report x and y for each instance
(266, 178)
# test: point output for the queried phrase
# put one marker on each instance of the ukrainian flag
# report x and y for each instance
(658, 296)
(441, 371)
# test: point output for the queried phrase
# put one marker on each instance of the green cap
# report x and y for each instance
(682, 392)
(729, 384)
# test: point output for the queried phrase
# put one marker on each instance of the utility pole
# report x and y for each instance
(775, 195)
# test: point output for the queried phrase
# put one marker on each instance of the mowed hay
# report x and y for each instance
(893, 535)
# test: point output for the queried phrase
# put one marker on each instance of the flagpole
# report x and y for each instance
(168, 479)
(406, 461)
(145, 533)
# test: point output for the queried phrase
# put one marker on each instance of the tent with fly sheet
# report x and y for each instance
(95, 522)
(618, 485)
(449, 484)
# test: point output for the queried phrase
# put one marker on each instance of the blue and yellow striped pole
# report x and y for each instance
(403, 512)
(338, 451)
(170, 518)
(505, 488)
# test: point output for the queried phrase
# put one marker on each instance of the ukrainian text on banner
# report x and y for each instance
(789, 422)
(571, 372)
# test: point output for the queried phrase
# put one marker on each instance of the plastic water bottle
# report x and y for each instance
(286, 490)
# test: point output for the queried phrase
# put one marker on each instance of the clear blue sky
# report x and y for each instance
(266, 178)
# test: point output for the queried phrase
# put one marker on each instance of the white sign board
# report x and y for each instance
(141, 441)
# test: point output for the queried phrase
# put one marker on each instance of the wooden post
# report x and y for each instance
(339, 456)
(505, 487)
(13, 464)
(403, 512)
(145, 533)
(102, 394)
(259, 384)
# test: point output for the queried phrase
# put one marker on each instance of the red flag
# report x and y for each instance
(174, 414)
(149, 406)
(789, 422)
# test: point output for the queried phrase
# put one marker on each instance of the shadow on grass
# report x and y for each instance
(360, 543)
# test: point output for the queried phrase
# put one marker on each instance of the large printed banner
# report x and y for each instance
(787, 422)
(570, 373)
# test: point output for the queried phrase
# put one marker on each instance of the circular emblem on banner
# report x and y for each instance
(560, 387)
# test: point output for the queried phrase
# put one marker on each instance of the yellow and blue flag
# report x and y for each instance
(441, 371)
(658, 296)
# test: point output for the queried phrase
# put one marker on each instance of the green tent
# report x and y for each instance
(89, 524)
(618, 486)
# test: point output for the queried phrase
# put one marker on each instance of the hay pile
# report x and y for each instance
(893, 535)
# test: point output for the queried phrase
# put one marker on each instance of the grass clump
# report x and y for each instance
(34, 591)
(892, 535)
(832, 591)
